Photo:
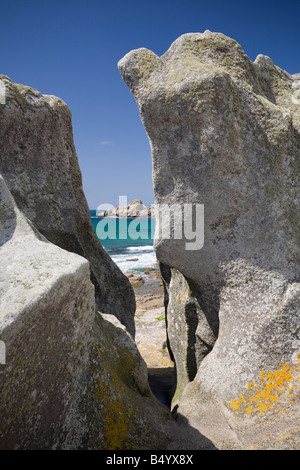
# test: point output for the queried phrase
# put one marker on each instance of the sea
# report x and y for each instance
(129, 242)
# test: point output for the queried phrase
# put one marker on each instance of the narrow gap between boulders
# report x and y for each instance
(151, 335)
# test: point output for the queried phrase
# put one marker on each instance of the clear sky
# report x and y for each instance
(70, 48)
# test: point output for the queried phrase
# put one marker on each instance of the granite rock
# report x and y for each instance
(40, 167)
(73, 377)
(191, 334)
(225, 133)
(47, 310)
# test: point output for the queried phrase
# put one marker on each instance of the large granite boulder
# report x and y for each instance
(191, 334)
(225, 133)
(39, 164)
(72, 377)
(47, 310)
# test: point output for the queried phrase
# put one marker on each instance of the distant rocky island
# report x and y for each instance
(135, 209)
(224, 133)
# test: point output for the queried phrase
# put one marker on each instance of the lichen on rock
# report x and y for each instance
(73, 377)
(224, 132)
(40, 166)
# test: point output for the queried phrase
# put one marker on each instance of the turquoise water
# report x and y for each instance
(129, 242)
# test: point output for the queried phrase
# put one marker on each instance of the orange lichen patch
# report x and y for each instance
(116, 424)
(116, 415)
(273, 389)
(181, 297)
(235, 404)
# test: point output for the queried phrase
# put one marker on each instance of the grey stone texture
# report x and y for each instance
(191, 334)
(40, 167)
(225, 132)
(73, 377)
(47, 308)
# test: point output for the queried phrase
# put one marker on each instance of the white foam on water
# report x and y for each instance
(137, 258)
(140, 248)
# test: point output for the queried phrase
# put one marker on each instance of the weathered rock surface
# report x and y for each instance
(40, 167)
(73, 378)
(191, 334)
(116, 408)
(47, 308)
(225, 132)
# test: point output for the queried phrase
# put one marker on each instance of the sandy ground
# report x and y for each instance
(150, 334)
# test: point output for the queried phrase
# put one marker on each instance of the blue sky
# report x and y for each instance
(71, 49)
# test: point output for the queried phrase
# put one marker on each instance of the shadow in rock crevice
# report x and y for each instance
(162, 382)
(8, 217)
(191, 438)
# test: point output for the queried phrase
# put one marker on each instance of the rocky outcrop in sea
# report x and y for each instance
(134, 209)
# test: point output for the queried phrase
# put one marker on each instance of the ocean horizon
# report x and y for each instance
(129, 254)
